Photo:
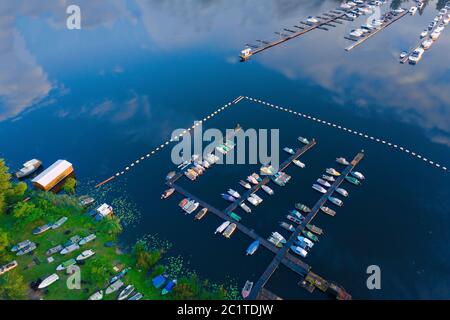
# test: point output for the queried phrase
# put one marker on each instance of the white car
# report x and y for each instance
(415, 57)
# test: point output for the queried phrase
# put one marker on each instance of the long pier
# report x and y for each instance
(370, 34)
(283, 252)
(331, 17)
(267, 179)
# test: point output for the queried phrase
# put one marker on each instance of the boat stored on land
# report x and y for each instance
(137, 296)
(201, 214)
(87, 239)
(114, 287)
(229, 230)
(54, 250)
(328, 211)
(70, 249)
(247, 289)
(21, 245)
(222, 227)
(97, 296)
(169, 286)
(8, 267)
(119, 275)
(85, 201)
(42, 229)
(59, 223)
(252, 248)
(48, 281)
(85, 255)
(319, 188)
(167, 193)
(28, 168)
(126, 292)
(27, 249)
(159, 281)
(66, 264)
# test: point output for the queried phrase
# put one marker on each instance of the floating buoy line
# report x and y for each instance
(270, 105)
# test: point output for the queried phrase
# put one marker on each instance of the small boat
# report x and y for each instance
(222, 227)
(358, 175)
(28, 168)
(267, 190)
(170, 175)
(300, 251)
(97, 296)
(201, 214)
(235, 217)
(27, 249)
(66, 264)
(169, 286)
(85, 201)
(229, 230)
(42, 229)
(310, 235)
(403, 55)
(306, 240)
(73, 240)
(253, 201)
(298, 163)
(234, 193)
(8, 267)
(333, 172)
(87, 239)
(114, 287)
(302, 207)
(246, 185)
(294, 219)
(279, 237)
(328, 178)
(289, 150)
(328, 211)
(324, 183)
(159, 281)
(252, 248)
(228, 197)
(59, 223)
(252, 180)
(353, 180)
(302, 245)
(85, 255)
(287, 226)
(303, 140)
(319, 188)
(342, 161)
(183, 203)
(245, 207)
(267, 170)
(342, 192)
(314, 229)
(126, 292)
(48, 281)
(311, 19)
(119, 275)
(190, 175)
(247, 289)
(167, 193)
(336, 201)
(21, 245)
(255, 196)
(256, 176)
(296, 214)
(69, 249)
(424, 34)
(191, 208)
(137, 296)
(54, 250)
(276, 242)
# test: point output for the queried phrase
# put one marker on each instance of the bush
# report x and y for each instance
(70, 185)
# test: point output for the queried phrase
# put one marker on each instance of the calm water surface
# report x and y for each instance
(103, 96)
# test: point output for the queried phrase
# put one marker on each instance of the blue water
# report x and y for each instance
(103, 96)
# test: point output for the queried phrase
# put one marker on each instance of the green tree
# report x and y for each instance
(97, 270)
(4, 244)
(5, 184)
(22, 208)
(70, 185)
(111, 226)
(145, 259)
(12, 286)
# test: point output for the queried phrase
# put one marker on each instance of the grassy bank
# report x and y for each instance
(17, 221)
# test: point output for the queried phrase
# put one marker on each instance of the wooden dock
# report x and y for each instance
(283, 252)
(370, 34)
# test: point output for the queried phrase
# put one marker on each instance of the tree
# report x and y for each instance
(22, 208)
(5, 184)
(4, 244)
(145, 259)
(12, 286)
(111, 226)
(97, 270)
(183, 291)
(70, 185)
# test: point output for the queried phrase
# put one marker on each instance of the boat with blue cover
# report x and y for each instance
(169, 286)
(252, 248)
(159, 281)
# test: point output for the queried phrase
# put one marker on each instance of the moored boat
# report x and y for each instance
(319, 188)
(323, 183)
(28, 168)
(234, 193)
(328, 211)
(310, 235)
(252, 180)
(228, 197)
(309, 243)
(298, 163)
(333, 172)
(229, 230)
(342, 192)
(275, 242)
(289, 150)
(358, 175)
(300, 251)
(336, 201)
(296, 214)
(353, 180)
(48, 281)
(253, 201)
(287, 226)
(85, 201)
(267, 170)
(328, 178)
(279, 237)
(167, 193)
(246, 185)
(293, 219)
(342, 161)
(314, 229)
(235, 217)
(222, 227)
(303, 140)
(201, 214)
(247, 289)
(245, 207)
(252, 248)
(302, 207)
(267, 190)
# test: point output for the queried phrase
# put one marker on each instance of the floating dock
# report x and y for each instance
(283, 254)
(370, 34)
